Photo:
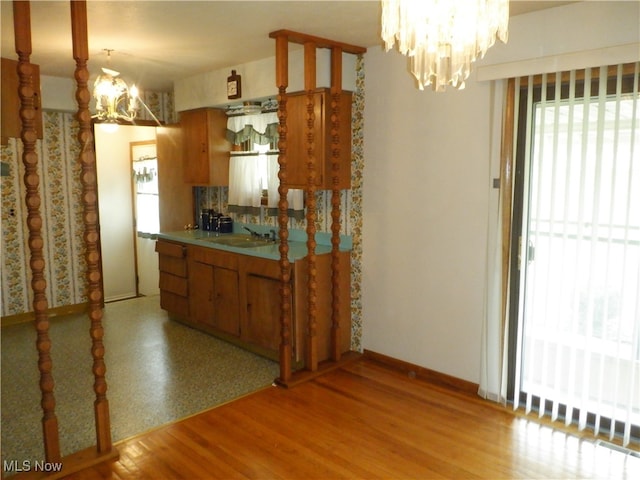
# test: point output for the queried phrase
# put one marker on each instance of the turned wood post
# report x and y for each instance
(22, 29)
(312, 283)
(282, 81)
(91, 233)
(336, 91)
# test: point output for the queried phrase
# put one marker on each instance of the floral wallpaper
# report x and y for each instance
(355, 208)
(161, 106)
(61, 212)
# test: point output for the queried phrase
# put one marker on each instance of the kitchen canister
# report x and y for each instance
(225, 224)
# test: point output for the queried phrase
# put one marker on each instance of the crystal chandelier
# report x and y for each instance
(443, 37)
(115, 101)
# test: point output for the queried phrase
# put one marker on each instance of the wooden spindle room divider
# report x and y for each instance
(311, 44)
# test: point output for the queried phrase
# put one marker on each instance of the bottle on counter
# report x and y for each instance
(205, 220)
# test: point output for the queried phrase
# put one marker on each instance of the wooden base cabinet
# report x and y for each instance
(260, 299)
(262, 315)
(260, 320)
(213, 289)
(237, 297)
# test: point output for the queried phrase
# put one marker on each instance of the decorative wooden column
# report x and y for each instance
(282, 81)
(91, 233)
(336, 91)
(22, 30)
(311, 360)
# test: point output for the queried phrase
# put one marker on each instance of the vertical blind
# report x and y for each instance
(579, 350)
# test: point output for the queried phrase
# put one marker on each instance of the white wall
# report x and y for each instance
(427, 198)
(426, 195)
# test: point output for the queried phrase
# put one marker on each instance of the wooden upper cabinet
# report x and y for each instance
(297, 148)
(205, 147)
(11, 125)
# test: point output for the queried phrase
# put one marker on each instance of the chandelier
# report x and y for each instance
(115, 101)
(443, 37)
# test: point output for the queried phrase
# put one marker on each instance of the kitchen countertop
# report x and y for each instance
(297, 249)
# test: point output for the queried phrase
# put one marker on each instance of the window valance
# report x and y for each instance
(260, 128)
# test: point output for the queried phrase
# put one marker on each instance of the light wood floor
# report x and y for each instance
(362, 421)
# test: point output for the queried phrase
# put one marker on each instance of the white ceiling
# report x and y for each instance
(157, 42)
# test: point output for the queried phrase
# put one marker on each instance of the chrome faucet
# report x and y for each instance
(252, 232)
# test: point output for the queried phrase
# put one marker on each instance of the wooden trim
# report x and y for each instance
(302, 376)
(431, 376)
(506, 191)
(302, 38)
(134, 207)
(27, 317)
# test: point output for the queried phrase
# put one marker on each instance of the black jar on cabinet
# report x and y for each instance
(225, 224)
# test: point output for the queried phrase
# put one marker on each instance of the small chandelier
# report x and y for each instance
(115, 101)
(443, 37)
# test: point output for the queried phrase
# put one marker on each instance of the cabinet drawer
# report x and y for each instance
(211, 256)
(173, 284)
(171, 249)
(174, 303)
(261, 266)
(172, 265)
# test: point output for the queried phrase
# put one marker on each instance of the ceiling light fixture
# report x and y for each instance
(115, 101)
(443, 37)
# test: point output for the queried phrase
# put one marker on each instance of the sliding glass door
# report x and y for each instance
(576, 303)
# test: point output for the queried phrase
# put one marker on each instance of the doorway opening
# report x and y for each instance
(127, 260)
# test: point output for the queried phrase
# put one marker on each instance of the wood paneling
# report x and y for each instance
(362, 421)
